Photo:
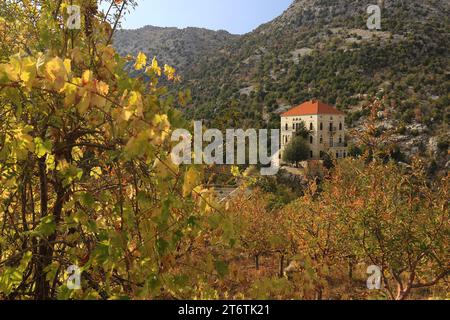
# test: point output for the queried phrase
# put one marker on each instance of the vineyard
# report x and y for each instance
(87, 182)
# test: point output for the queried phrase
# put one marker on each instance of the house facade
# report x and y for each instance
(326, 126)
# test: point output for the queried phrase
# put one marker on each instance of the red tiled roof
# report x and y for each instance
(312, 107)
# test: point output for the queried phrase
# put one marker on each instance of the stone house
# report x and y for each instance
(326, 126)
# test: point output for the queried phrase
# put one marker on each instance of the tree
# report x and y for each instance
(302, 131)
(296, 151)
(373, 214)
(397, 221)
(328, 162)
(255, 224)
(85, 177)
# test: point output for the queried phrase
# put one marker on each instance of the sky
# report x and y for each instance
(235, 16)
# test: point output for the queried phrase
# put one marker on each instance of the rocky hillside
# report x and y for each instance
(322, 49)
(183, 48)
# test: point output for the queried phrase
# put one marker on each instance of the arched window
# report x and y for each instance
(311, 139)
(311, 154)
(340, 139)
(340, 126)
(331, 127)
(321, 126)
(311, 127)
(287, 128)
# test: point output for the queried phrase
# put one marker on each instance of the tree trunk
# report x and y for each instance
(257, 261)
(403, 294)
(351, 266)
(281, 266)
(46, 247)
(319, 294)
(42, 286)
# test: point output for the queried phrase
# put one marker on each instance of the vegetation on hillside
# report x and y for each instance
(346, 62)
(323, 50)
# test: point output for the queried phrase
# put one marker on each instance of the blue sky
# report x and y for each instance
(235, 16)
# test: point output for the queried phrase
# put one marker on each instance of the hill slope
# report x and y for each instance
(323, 49)
(182, 48)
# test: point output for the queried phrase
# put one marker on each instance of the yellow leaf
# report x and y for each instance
(77, 154)
(50, 162)
(139, 145)
(235, 171)
(70, 92)
(102, 88)
(83, 106)
(68, 66)
(55, 73)
(166, 169)
(141, 61)
(127, 114)
(62, 165)
(28, 71)
(99, 99)
(87, 77)
(96, 172)
(135, 100)
(169, 72)
(108, 55)
(76, 55)
(11, 73)
(192, 179)
(154, 68)
(133, 106)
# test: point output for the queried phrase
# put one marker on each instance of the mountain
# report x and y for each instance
(321, 49)
(182, 48)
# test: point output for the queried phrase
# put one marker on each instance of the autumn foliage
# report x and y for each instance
(86, 180)
(84, 169)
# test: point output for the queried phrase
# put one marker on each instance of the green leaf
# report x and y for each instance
(86, 199)
(221, 268)
(46, 227)
(42, 147)
(162, 246)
